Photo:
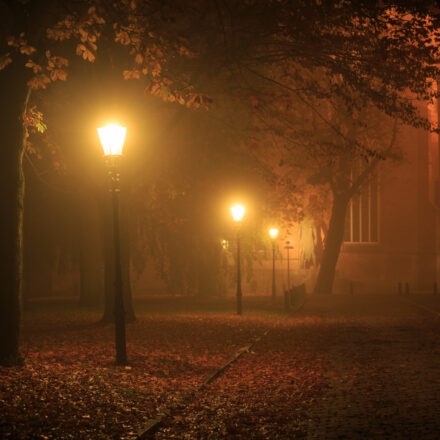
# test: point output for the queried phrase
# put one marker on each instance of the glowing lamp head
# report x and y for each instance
(112, 139)
(237, 212)
(273, 232)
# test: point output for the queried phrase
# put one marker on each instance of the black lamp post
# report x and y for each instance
(273, 232)
(112, 139)
(288, 247)
(237, 212)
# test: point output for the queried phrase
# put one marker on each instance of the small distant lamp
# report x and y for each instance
(238, 212)
(288, 247)
(273, 232)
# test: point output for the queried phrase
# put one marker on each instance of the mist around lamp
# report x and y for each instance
(112, 139)
(237, 212)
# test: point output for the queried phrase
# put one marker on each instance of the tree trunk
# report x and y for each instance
(15, 95)
(332, 246)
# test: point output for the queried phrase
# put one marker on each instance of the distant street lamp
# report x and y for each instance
(288, 247)
(237, 212)
(225, 244)
(273, 232)
(112, 138)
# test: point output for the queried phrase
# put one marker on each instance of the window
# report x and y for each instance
(361, 225)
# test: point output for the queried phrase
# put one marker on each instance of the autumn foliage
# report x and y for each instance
(70, 387)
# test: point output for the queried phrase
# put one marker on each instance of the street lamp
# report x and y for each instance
(288, 247)
(112, 139)
(237, 212)
(273, 232)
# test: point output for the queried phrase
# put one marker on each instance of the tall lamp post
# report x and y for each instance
(288, 247)
(112, 138)
(273, 232)
(237, 212)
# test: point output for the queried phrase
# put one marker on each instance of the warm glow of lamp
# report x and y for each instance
(112, 139)
(237, 212)
(273, 232)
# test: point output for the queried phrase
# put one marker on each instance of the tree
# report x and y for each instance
(32, 33)
(22, 68)
(314, 62)
(314, 167)
(348, 55)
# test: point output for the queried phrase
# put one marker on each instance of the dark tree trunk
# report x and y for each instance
(90, 253)
(332, 245)
(14, 94)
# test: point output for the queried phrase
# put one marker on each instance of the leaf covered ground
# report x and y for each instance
(339, 367)
(69, 386)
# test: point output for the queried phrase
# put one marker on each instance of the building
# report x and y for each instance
(392, 238)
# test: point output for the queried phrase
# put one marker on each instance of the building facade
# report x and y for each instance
(399, 247)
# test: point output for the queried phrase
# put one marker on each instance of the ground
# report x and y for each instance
(335, 367)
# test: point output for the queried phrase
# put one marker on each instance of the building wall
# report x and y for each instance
(407, 251)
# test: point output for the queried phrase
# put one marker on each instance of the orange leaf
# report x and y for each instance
(5, 60)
